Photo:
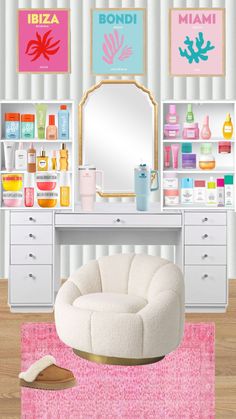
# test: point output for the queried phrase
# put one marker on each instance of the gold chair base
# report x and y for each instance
(110, 360)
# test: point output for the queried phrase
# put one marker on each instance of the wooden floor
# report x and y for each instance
(10, 355)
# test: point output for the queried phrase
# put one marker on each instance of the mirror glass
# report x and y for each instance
(118, 131)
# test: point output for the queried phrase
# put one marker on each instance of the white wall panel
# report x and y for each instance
(72, 86)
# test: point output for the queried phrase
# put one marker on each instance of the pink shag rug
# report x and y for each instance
(179, 387)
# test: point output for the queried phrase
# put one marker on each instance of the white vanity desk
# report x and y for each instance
(35, 238)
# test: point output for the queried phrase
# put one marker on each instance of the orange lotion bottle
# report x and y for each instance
(31, 159)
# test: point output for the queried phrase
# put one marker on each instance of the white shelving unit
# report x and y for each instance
(225, 163)
(24, 107)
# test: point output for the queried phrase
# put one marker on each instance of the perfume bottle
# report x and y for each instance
(63, 157)
(29, 189)
(31, 159)
(42, 161)
(228, 128)
(54, 160)
(206, 132)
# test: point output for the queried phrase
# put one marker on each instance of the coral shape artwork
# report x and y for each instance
(200, 53)
(112, 45)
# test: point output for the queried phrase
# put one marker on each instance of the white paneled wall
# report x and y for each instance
(72, 86)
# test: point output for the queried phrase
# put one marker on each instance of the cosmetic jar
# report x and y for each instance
(170, 181)
(12, 199)
(46, 181)
(206, 159)
(191, 131)
(47, 199)
(12, 126)
(224, 147)
(189, 161)
(171, 130)
(171, 197)
(12, 182)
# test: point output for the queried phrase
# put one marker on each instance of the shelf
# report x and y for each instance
(225, 170)
(191, 207)
(35, 140)
(42, 171)
(212, 140)
(64, 209)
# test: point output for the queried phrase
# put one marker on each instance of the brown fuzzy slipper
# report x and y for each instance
(44, 374)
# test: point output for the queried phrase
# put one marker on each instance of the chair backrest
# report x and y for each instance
(135, 274)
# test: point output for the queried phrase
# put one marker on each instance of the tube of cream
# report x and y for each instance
(41, 109)
(9, 153)
(167, 150)
(175, 155)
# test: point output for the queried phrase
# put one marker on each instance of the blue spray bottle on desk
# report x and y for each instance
(146, 181)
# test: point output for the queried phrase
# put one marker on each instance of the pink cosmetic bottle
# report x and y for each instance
(172, 117)
(206, 132)
(29, 189)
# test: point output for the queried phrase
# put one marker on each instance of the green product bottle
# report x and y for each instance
(190, 115)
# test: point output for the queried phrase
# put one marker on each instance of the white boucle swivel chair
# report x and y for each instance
(126, 309)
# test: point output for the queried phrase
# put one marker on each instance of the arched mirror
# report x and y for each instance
(117, 132)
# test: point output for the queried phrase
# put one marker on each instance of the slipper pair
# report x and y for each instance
(44, 374)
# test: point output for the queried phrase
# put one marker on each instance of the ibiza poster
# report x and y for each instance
(197, 42)
(118, 41)
(43, 41)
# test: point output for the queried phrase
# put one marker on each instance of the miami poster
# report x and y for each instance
(44, 40)
(197, 42)
(118, 41)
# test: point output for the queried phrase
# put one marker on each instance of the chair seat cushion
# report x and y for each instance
(110, 302)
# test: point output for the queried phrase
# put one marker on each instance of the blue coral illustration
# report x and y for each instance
(200, 53)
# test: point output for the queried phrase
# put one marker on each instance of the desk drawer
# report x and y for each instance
(31, 255)
(31, 218)
(206, 235)
(31, 235)
(205, 255)
(205, 285)
(205, 218)
(119, 220)
(31, 284)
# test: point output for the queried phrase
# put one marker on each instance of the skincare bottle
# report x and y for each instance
(12, 125)
(31, 159)
(199, 192)
(42, 161)
(54, 160)
(29, 189)
(229, 190)
(175, 155)
(190, 115)
(51, 132)
(64, 190)
(172, 117)
(41, 110)
(211, 192)
(63, 123)
(20, 158)
(9, 153)
(27, 126)
(63, 157)
(220, 192)
(187, 190)
(228, 128)
(206, 132)
(167, 150)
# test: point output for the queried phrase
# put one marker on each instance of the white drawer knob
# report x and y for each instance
(31, 236)
(31, 255)
(205, 236)
(205, 276)
(31, 276)
(118, 220)
(204, 256)
(204, 220)
(31, 219)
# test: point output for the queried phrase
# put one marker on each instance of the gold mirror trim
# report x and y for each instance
(110, 360)
(155, 105)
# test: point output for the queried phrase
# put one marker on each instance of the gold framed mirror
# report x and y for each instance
(118, 129)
